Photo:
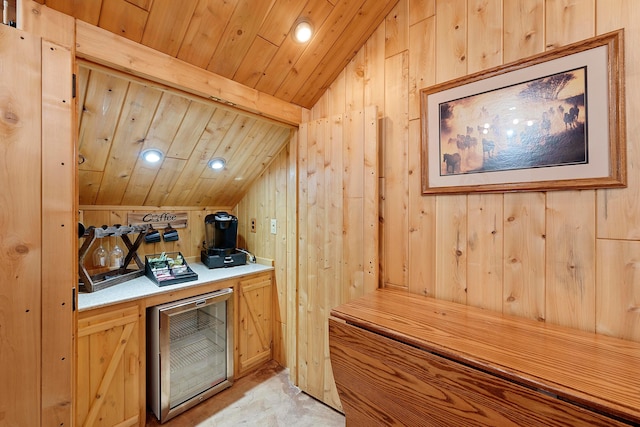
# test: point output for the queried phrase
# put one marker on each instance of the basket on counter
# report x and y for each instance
(168, 268)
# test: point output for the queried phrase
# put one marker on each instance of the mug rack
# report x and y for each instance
(102, 280)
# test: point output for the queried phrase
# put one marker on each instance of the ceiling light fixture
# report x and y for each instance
(302, 31)
(152, 155)
(217, 163)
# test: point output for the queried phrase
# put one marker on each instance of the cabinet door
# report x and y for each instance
(255, 322)
(109, 372)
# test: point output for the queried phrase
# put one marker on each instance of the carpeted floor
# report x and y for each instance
(264, 398)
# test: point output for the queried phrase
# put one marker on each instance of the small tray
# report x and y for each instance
(168, 268)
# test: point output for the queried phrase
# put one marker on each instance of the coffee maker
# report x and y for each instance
(221, 232)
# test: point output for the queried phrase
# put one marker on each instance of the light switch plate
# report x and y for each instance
(274, 226)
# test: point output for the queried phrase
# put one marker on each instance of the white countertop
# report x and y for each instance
(142, 287)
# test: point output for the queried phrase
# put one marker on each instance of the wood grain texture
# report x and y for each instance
(223, 36)
(255, 323)
(337, 173)
(384, 382)
(120, 117)
(110, 367)
(618, 303)
(485, 252)
(618, 211)
(571, 260)
(394, 168)
(523, 28)
(581, 368)
(569, 21)
(422, 223)
(59, 243)
(524, 256)
(397, 29)
(485, 47)
(421, 58)
(21, 244)
(451, 47)
(520, 254)
(102, 47)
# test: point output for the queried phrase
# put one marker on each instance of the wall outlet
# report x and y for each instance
(253, 225)
(274, 226)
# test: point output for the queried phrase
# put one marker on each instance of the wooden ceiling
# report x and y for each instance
(247, 41)
(120, 116)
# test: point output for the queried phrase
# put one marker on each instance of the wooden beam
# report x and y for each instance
(100, 46)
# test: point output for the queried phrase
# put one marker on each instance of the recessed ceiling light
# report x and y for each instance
(152, 155)
(217, 163)
(302, 31)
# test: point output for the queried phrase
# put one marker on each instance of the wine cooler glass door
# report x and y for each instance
(195, 354)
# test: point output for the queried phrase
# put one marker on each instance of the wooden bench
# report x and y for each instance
(404, 359)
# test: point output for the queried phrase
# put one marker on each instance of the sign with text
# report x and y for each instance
(158, 219)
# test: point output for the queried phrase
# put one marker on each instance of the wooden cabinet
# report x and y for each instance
(399, 358)
(254, 329)
(110, 377)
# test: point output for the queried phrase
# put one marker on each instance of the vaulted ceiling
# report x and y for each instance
(247, 41)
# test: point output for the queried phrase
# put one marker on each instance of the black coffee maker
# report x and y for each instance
(221, 233)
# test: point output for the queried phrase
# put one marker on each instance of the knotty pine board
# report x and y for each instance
(484, 22)
(571, 259)
(485, 251)
(59, 245)
(525, 33)
(422, 231)
(337, 172)
(21, 275)
(394, 168)
(41, 293)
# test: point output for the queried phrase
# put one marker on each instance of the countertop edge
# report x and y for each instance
(142, 287)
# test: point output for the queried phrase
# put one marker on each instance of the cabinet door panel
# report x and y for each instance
(255, 327)
(108, 368)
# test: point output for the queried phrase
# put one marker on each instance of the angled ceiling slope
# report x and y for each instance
(247, 41)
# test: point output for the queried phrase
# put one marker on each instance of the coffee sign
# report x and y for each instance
(159, 219)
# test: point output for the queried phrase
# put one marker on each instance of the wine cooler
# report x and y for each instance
(189, 352)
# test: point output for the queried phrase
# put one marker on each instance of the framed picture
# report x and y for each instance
(549, 122)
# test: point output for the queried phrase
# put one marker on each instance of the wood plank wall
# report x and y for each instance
(38, 221)
(335, 236)
(566, 257)
(190, 238)
(269, 198)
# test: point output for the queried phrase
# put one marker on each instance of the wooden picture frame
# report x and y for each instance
(553, 121)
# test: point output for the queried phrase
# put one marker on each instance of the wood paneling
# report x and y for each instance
(618, 214)
(223, 36)
(255, 323)
(110, 377)
(337, 233)
(121, 117)
(530, 254)
(59, 243)
(273, 197)
(190, 238)
(38, 220)
(562, 257)
(536, 255)
(20, 297)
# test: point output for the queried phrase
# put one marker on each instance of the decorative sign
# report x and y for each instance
(159, 220)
